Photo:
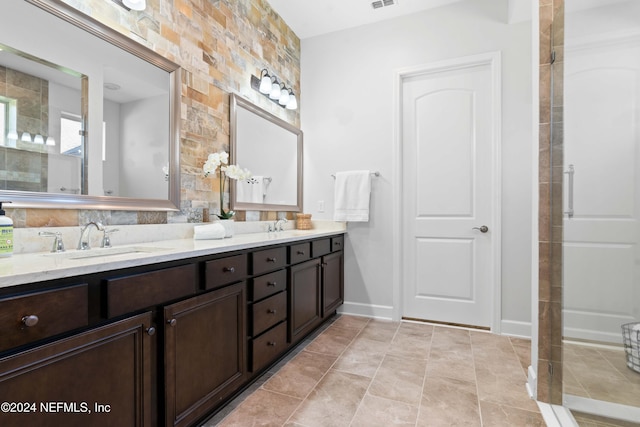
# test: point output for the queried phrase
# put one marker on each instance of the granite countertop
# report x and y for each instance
(30, 267)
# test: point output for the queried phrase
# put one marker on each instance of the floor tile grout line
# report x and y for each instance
(424, 377)
(475, 377)
(328, 370)
(366, 392)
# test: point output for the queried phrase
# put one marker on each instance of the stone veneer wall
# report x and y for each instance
(219, 44)
(550, 213)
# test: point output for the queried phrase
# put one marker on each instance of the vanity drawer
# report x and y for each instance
(269, 260)
(268, 312)
(320, 247)
(48, 312)
(299, 253)
(269, 284)
(337, 243)
(268, 346)
(223, 271)
(131, 293)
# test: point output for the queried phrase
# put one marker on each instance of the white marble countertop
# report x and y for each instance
(30, 267)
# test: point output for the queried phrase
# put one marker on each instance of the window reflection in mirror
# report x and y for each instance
(117, 136)
(37, 98)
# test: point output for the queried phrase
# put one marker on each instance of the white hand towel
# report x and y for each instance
(351, 198)
(208, 232)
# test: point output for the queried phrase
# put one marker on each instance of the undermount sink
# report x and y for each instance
(103, 252)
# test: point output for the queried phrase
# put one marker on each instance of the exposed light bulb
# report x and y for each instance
(265, 84)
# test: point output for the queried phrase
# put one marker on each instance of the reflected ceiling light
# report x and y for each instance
(111, 86)
(51, 141)
(26, 137)
(38, 139)
(268, 85)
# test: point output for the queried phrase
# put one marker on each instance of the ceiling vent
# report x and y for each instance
(383, 3)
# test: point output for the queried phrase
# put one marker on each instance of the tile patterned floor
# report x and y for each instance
(600, 373)
(365, 372)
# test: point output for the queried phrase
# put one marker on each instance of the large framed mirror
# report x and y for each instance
(89, 119)
(271, 149)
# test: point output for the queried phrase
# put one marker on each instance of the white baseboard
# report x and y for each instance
(602, 408)
(367, 310)
(515, 328)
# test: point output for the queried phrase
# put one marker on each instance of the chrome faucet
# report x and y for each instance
(280, 221)
(83, 244)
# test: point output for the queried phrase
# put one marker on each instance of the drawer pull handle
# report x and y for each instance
(229, 269)
(30, 320)
(172, 322)
(151, 330)
(271, 343)
(271, 259)
(272, 311)
(337, 243)
(300, 252)
(272, 283)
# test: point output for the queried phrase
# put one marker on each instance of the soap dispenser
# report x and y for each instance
(6, 233)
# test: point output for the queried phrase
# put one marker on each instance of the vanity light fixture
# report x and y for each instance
(51, 141)
(38, 139)
(132, 4)
(269, 86)
(26, 137)
(12, 134)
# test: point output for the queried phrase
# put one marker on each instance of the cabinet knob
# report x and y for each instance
(171, 322)
(30, 320)
(151, 330)
(271, 259)
(272, 283)
(272, 311)
(229, 269)
(271, 343)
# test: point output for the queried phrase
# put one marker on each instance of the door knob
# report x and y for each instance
(483, 229)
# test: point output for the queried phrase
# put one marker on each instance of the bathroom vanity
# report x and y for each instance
(155, 337)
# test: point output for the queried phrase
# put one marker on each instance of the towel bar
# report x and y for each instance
(376, 173)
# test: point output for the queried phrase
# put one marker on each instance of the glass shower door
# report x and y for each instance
(601, 221)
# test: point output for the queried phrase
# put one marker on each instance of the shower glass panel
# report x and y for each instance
(600, 157)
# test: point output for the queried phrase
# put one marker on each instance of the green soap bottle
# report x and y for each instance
(6, 233)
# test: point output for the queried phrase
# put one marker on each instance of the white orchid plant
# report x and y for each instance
(221, 160)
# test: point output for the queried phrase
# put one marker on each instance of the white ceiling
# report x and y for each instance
(309, 18)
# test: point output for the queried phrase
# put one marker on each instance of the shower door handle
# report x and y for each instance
(571, 172)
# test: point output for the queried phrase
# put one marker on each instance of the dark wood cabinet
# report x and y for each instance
(85, 347)
(101, 377)
(205, 352)
(304, 299)
(332, 283)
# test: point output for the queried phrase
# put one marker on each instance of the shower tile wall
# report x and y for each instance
(550, 208)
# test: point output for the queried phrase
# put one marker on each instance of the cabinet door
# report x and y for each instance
(101, 377)
(332, 283)
(304, 299)
(205, 352)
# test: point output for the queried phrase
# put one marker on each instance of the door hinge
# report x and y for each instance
(553, 56)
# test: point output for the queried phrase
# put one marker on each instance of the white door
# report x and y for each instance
(602, 143)
(450, 138)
